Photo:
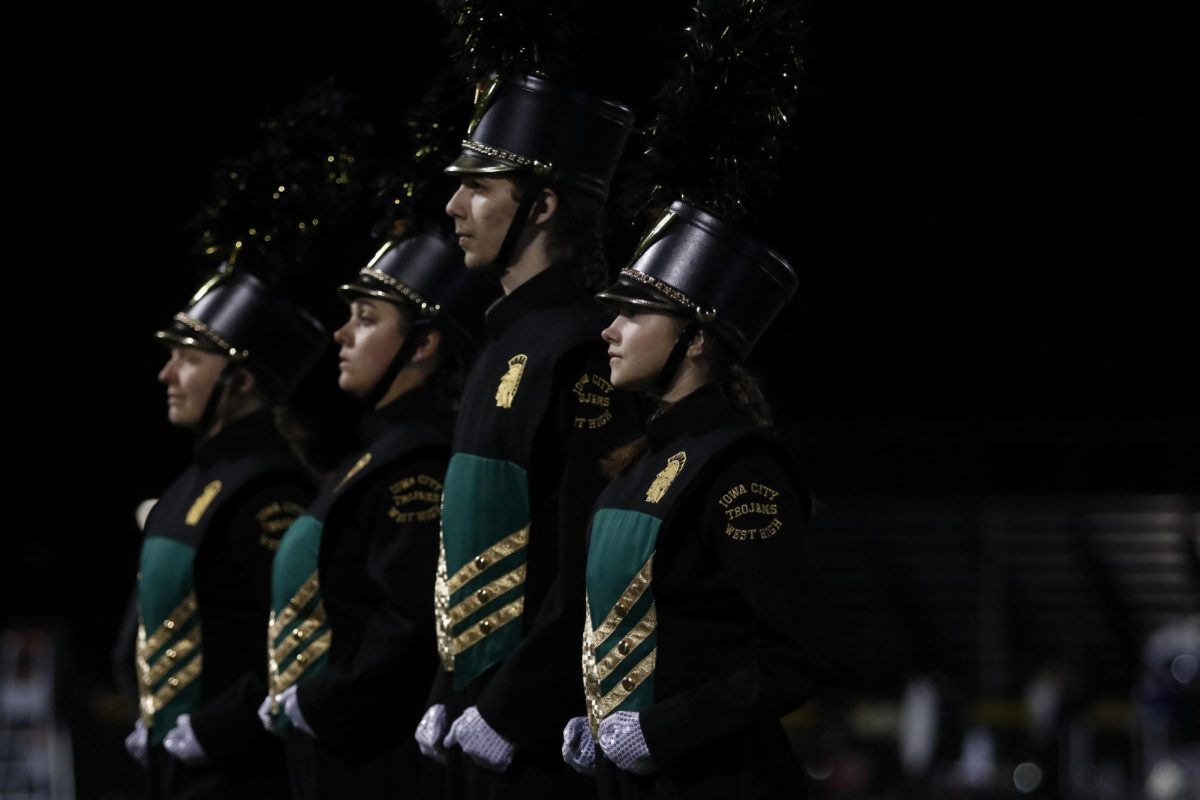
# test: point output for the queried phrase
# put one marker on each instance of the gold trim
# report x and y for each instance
(591, 685)
(637, 676)
(484, 90)
(299, 600)
(297, 668)
(383, 277)
(703, 314)
(205, 331)
(350, 473)
(182, 679)
(306, 628)
(488, 626)
(170, 626)
(490, 592)
(646, 626)
(441, 608)
(501, 549)
(202, 502)
(497, 153)
(637, 587)
(174, 655)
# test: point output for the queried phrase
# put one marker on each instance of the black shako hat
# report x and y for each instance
(527, 124)
(692, 262)
(425, 272)
(235, 314)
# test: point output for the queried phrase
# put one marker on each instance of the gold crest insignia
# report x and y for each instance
(201, 503)
(664, 479)
(507, 390)
(357, 468)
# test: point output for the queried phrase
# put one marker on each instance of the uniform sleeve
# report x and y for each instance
(233, 588)
(752, 522)
(376, 693)
(537, 688)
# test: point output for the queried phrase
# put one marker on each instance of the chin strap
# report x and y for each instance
(213, 405)
(411, 340)
(671, 365)
(503, 259)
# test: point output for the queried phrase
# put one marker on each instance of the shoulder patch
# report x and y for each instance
(506, 392)
(666, 476)
(416, 498)
(751, 512)
(593, 396)
(201, 503)
(274, 519)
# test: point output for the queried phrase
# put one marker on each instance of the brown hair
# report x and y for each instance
(575, 230)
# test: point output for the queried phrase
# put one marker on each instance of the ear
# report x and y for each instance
(546, 205)
(243, 381)
(697, 349)
(431, 340)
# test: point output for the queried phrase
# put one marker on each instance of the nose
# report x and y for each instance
(168, 372)
(453, 205)
(611, 334)
(342, 334)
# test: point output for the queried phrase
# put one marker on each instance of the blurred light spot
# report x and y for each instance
(1166, 781)
(1184, 668)
(1027, 777)
(818, 772)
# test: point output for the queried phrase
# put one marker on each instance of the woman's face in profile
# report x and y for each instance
(369, 341)
(190, 375)
(639, 342)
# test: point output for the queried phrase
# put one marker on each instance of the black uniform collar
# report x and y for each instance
(426, 402)
(557, 285)
(255, 431)
(702, 410)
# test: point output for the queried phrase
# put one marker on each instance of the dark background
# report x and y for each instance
(985, 214)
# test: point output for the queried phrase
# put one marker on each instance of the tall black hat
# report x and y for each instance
(236, 315)
(527, 124)
(692, 262)
(425, 273)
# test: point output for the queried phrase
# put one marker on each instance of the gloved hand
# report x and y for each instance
(270, 722)
(289, 704)
(430, 732)
(624, 745)
(137, 742)
(477, 739)
(182, 743)
(579, 750)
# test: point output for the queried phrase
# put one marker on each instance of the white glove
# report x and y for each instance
(137, 742)
(182, 743)
(624, 745)
(430, 732)
(289, 703)
(579, 750)
(270, 722)
(477, 739)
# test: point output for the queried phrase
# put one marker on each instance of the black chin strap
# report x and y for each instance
(213, 405)
(503, 259)
(413, 338)
(671, 365)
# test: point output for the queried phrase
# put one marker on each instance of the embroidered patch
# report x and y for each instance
(507, 390)
(592, 401)
(357, 468)
(755, 510)
(665, 477)
(274, 519)
(201, 503)
(417, 498)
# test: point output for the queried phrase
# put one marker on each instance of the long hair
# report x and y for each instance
(576, 231)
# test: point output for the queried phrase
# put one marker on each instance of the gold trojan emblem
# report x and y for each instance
(507, 389)
(664, 479)
(362, 462)
(202, 503)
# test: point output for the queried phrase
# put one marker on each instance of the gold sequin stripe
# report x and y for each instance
(487, 594)
(174, 655)
(175, 684)
(501, 549)
(441, 609)
(591, 684)
(169, 627)
(506, 155)
(637, 587)
(302, 662)
(298, 634)
(646, 626)
(205, 331)
(628, 685)
(662, 288)
(299, 600)
(383, 277)
(488, 625)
